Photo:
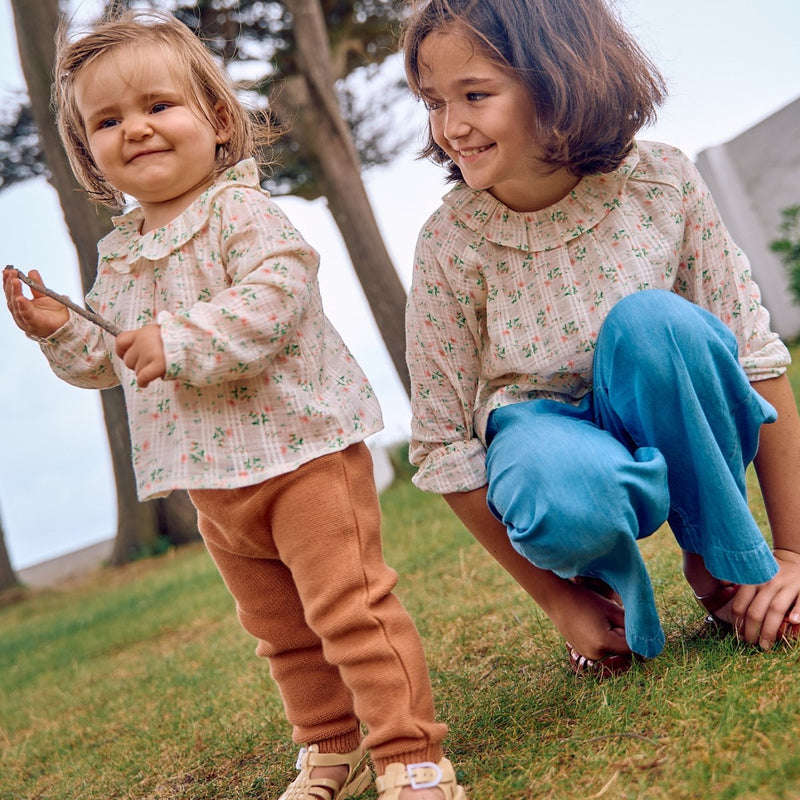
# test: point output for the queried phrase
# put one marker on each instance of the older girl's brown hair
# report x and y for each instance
(207, 86)
(591, 84)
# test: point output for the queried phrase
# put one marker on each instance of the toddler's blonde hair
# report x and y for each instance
(208, 87)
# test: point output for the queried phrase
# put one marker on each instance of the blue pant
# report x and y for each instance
(666, 434)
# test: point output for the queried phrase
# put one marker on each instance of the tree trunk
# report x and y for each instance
(8, 578)
(323, 132)
(138, 524)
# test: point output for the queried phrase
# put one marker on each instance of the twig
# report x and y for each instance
(65, 301)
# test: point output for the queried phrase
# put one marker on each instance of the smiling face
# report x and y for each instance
(145, 133)
(482, 116)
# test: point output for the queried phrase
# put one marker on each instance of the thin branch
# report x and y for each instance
(65, 301)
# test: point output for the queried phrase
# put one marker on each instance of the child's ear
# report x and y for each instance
(224, 123)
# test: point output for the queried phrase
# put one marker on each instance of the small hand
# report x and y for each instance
(593, 625)
(759, 611)
(40, 316)
(142, 351)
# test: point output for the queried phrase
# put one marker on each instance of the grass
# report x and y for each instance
(139, 683)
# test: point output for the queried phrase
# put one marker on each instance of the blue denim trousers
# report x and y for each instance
(666, 433)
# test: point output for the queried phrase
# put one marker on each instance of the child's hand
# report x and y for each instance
(593, 625)
(759, 611)
(41, 316)
(143, 351)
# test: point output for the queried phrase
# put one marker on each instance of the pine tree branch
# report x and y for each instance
(65, 301)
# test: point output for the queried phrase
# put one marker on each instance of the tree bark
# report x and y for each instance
(324, 133)
(138, 524)
(8, 578)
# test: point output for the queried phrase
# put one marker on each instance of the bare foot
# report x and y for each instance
(324, 774)
(407, 793)
(593, 625)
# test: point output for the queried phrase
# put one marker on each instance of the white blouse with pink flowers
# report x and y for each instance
(506, 306)
(258, 381)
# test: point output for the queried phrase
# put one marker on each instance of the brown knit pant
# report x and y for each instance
(301, 555)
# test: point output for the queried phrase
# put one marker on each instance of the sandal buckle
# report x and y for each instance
(300, 757)
(415, 784)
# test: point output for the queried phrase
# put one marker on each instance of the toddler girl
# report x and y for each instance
(239, 390)
(589, 355)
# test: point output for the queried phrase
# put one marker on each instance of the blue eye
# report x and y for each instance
(432, 105)
(108, 123)
(159, 107)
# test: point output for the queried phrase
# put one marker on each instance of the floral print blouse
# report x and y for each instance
(258, 382)
(506, 306)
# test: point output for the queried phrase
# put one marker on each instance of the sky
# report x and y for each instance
(728, 63)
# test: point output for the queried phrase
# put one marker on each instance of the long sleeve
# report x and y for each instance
(78, 352)
(443, 352)
(239, 331)
(714, 273)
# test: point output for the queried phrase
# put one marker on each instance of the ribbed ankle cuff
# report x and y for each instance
(343, 743)
(431, 752)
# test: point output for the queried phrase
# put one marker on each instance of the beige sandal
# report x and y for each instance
(304, 787)
(426, 775)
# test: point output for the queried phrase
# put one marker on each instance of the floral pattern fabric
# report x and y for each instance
(258, 381)
(506, 306)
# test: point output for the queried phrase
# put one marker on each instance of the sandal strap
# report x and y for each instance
(713, 601)
(602, 668)
(424, 775)
(304, 787)
(311, 757)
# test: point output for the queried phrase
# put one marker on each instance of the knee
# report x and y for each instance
(648, 332)
(565, 542)
(350, 601)
(647, 320)
(559, 527)
(563, 527)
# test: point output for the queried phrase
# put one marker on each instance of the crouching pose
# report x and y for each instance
(589, 354)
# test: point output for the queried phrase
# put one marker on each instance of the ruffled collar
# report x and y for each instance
(125, 245)
(582, 209)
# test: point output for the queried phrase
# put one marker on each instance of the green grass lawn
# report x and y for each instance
(138, 683)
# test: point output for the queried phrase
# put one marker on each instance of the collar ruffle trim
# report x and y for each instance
(125, 245)
(581, 210)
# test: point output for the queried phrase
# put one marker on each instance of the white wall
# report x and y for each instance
(753, 178)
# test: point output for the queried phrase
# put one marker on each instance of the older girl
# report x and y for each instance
(589, 355)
